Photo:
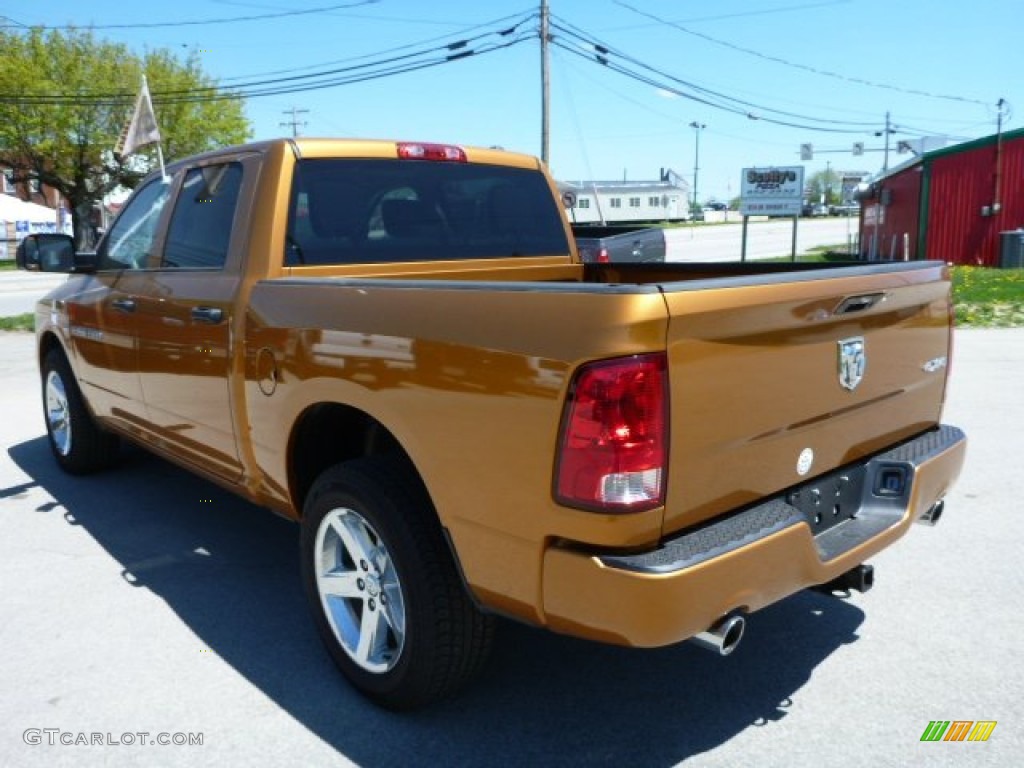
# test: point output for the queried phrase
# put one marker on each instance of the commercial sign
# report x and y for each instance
(772, 191)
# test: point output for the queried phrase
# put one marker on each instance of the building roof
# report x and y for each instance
(955, 149)
(619, 187)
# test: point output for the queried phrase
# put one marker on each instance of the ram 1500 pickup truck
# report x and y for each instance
(397, 345)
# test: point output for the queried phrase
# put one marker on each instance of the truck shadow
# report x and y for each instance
(230, 571)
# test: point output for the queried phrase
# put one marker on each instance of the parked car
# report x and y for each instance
(845, 209)
(604, 245)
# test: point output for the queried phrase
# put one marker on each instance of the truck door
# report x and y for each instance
(185, 315)
(102, 316)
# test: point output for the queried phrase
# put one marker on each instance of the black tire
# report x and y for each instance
(78, 443)
(430, 637)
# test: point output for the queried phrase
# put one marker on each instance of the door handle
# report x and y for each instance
(123, 305)
(858, 303)
(209, 315)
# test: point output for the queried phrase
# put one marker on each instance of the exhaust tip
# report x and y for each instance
(723, 636)
(860, 578)
(931, 517)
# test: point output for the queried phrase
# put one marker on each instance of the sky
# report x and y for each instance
(627, 77)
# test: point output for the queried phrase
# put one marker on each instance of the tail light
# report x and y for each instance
(446, 152)
(614, 442)
(592, 255)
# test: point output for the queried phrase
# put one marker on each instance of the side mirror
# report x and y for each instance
(51, 253)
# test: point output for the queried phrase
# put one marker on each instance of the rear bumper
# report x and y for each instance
(754, 557)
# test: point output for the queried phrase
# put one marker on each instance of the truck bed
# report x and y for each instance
(752, 351)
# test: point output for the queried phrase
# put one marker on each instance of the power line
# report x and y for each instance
(204, 22)
(581, 44)
(385, 67)
(796, 65)
(519, 19)
(412, 57)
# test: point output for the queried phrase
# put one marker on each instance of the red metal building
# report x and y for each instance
(949, 204)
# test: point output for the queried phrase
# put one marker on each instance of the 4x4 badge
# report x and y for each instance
(852, 362)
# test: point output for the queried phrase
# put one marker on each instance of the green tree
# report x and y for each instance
(827, 182)
(65, 98)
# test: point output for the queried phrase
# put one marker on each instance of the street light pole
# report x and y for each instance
(697, 128)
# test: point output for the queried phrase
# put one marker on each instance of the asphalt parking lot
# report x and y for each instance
(147, 601)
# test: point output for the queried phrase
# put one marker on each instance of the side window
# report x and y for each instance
(130, 240)
(200, 228)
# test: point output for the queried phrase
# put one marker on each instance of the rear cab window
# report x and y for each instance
(365, 211)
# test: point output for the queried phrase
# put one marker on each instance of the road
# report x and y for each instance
(19, 291)
(146, 600)
(765, 239)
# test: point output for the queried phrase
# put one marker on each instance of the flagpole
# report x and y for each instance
(163, 171)
(159, 148)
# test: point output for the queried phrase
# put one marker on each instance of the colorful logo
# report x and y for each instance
(958, 730)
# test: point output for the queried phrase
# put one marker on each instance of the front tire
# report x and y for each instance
(384, 591)
(79, 444)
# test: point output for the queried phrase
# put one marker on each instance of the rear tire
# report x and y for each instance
(386, 596)
(78, 443)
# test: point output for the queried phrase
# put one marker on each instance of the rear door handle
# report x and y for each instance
(123, 305)
(209, 315)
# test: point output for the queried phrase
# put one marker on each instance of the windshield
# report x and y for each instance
(369, 211)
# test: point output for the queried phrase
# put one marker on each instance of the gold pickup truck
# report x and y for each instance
(397, 345)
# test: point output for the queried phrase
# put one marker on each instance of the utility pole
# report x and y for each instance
(294, 122)
(697, 127)
(888, 130)
(997, 204)
(545, 83)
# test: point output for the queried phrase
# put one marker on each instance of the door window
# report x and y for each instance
(200, 230)
(131, 239)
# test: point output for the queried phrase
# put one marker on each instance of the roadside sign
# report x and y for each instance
(772, 191)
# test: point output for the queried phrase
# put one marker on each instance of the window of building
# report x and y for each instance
(584, 202)
(8, 182)
(634, 202)
(654, 202)
(200, 229)
(33, 186)
(615, 202)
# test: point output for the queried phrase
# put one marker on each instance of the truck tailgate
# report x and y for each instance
(777, 379)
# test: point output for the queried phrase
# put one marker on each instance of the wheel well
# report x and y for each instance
(327, 434)
(48, 342)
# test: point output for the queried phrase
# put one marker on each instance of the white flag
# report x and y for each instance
(142, 129)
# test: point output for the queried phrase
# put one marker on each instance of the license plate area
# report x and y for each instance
(831, 499)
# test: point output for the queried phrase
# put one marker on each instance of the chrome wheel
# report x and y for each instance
(58, 415)
(359, 590)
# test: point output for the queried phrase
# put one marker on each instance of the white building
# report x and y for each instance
(618, 201)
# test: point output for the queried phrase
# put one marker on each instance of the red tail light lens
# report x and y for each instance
(445, 152)
(603, 257)
(614, 443)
